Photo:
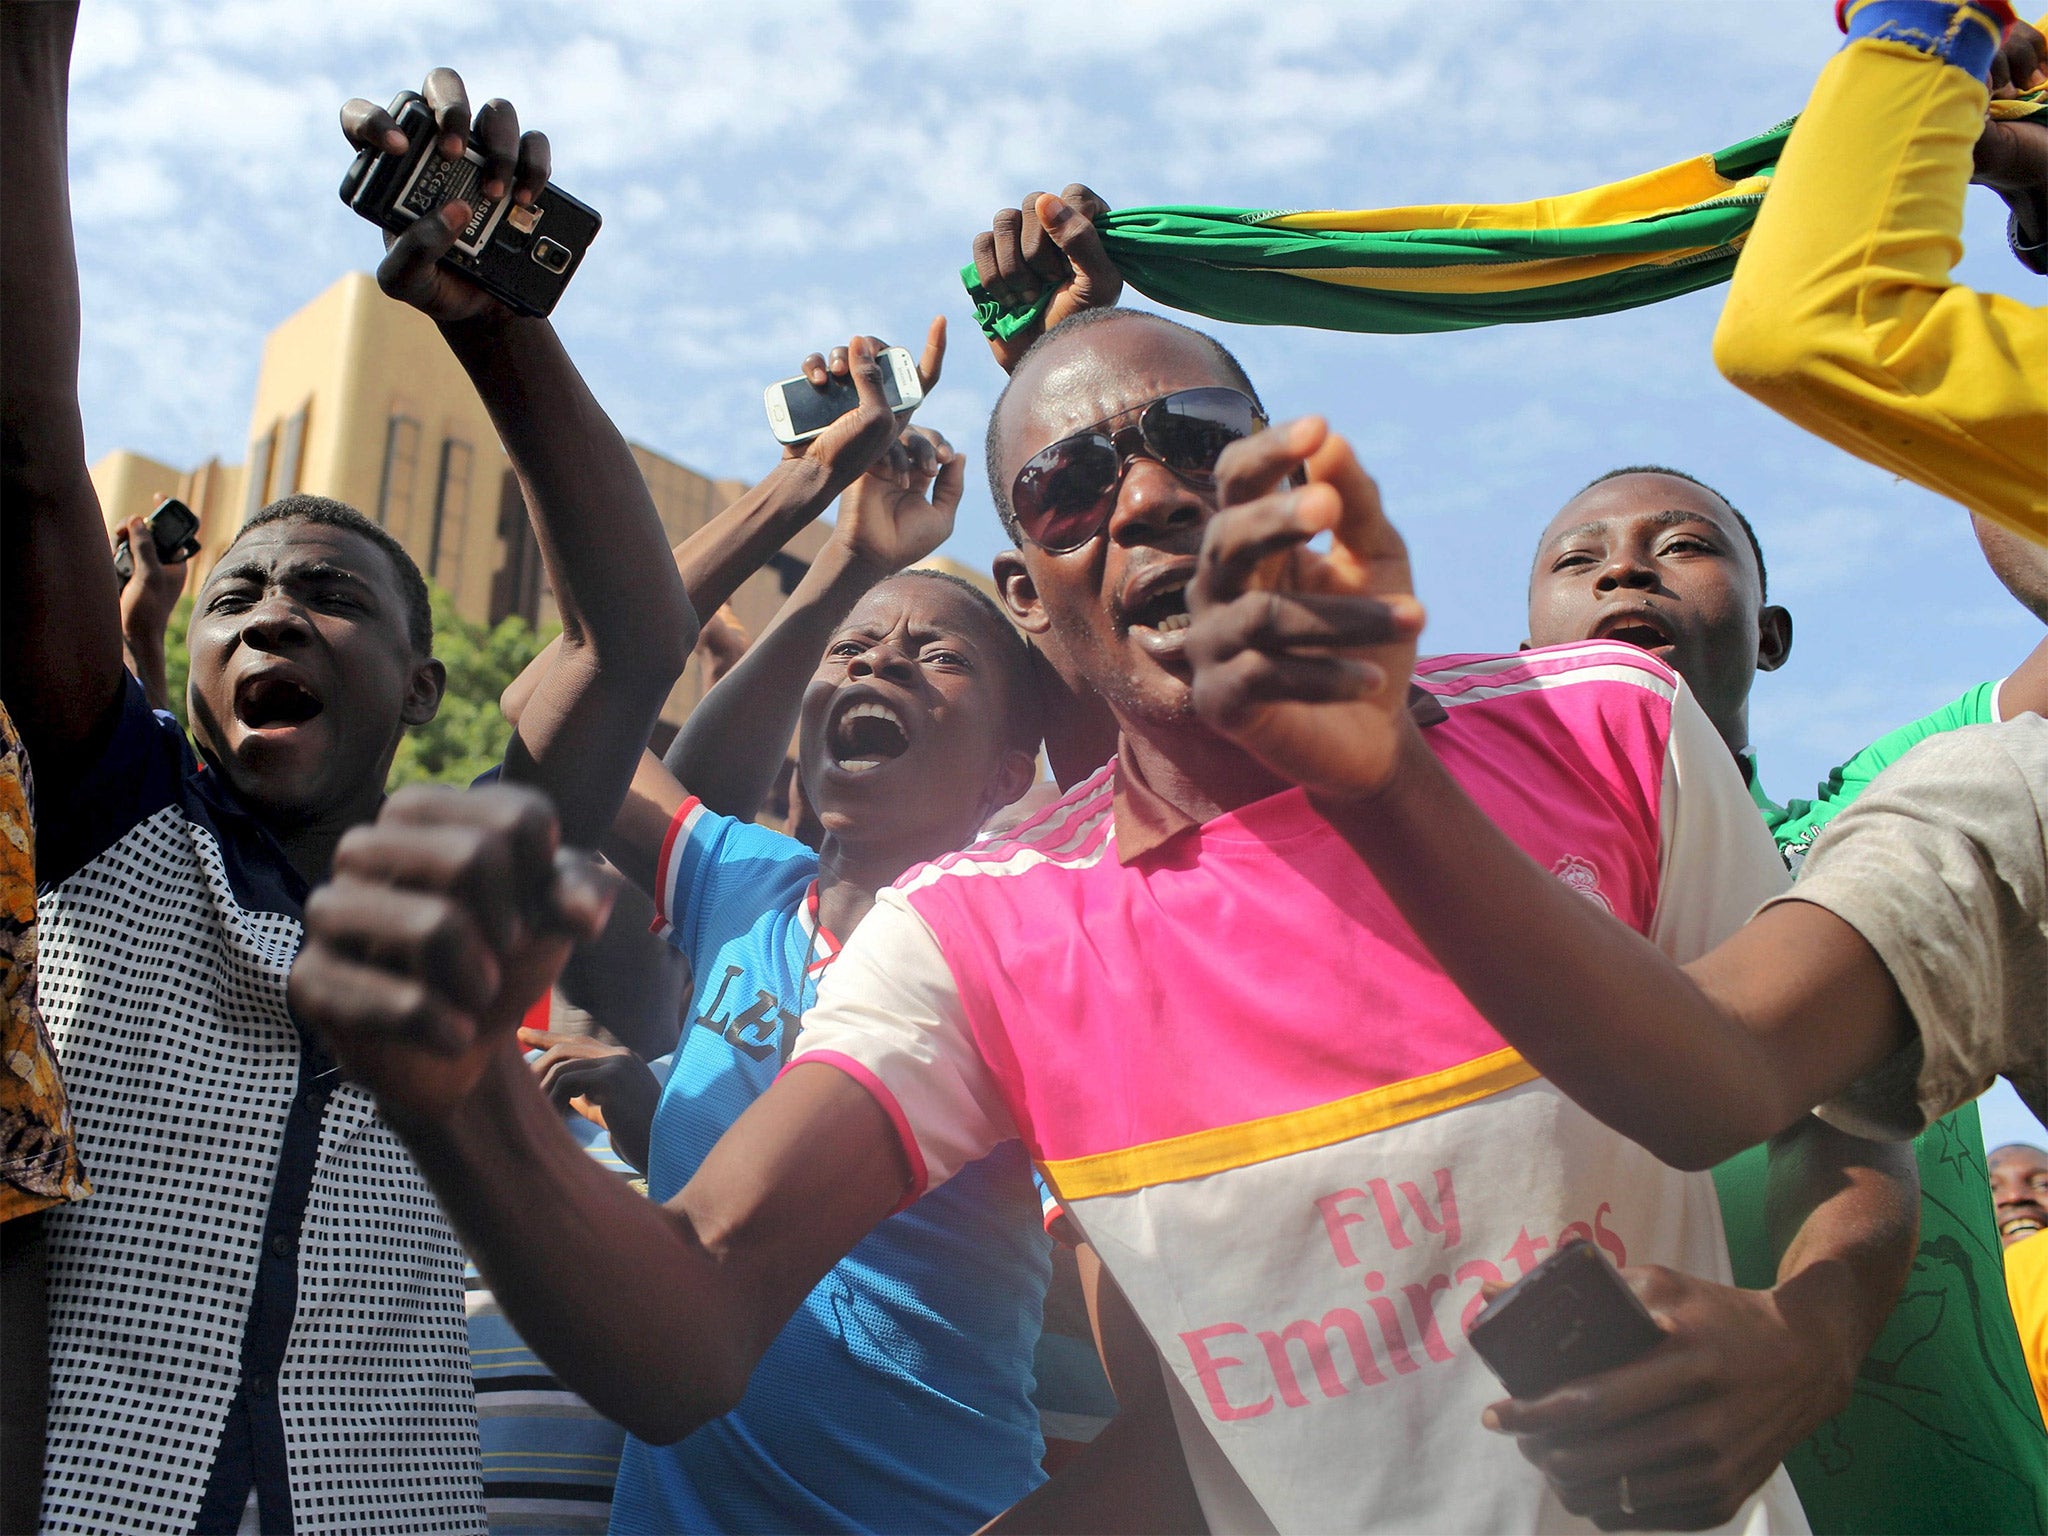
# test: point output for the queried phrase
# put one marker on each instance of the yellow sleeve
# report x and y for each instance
(1842, 317)
(2026, 1283)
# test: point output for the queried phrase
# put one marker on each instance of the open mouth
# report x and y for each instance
(1165, 611)
(2019, 1224)
(865, 736)
(1642, 633)
(272, 703)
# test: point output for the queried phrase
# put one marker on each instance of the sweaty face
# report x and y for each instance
(903, 735)
(1112, 615)
(303, 673)
(2019, 1192)
(1658, 563)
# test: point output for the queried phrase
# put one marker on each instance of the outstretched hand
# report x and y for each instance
(866, 436)
(1303, 658)
(1050, 242)
(411, 268)
(445, 919)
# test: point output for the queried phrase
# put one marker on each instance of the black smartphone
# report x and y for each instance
(173, 528)
(523, 256)
(1571, 1316)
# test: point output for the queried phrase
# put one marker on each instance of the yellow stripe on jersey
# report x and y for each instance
(1200, 1153)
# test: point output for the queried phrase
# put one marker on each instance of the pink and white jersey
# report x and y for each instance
(1294, 1143)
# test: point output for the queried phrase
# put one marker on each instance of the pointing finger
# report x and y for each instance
(934, 360)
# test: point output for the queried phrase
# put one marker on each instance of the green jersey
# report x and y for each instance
(1943, 1433)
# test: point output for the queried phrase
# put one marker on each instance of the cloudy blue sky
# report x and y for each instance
(775, 175)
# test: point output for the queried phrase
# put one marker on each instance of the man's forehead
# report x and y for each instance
(924, 603)
(281, 548)
(2021, 1156)
(1103, 371)
(1668, 500)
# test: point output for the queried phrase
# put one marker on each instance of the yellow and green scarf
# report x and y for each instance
(1450, 267)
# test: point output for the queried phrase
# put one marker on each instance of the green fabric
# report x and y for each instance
(1796, 824)
(1258, 266)
(1943, 1433)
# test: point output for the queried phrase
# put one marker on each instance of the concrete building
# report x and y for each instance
(359, 399)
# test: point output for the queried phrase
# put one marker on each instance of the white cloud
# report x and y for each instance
(776, 175)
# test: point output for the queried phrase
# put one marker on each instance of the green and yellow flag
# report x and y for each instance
(1450, 267)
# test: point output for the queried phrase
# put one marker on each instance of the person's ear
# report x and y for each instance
(1773, 638)
(423, 692)
(1020, 593)
(1017, 772)
(1526, 645)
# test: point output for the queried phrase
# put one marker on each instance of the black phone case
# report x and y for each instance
(171, 517)
(1571, 1316)
(522, 256)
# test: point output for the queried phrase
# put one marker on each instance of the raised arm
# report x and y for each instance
(654, 1314)
(713, 561)
(730, 748)
(626, 626)
(1842, 315)
(60, 625)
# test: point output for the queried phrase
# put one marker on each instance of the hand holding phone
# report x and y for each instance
(469, 214)
(1571, 1316)
(802, 407)
(173, 527)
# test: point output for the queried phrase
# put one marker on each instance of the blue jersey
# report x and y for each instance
(898, 1398)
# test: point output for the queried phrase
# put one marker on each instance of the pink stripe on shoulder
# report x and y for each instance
(912, 1155)
(1068, 829)
(1451, 678)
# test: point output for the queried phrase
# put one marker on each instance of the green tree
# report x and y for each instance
(468, 735)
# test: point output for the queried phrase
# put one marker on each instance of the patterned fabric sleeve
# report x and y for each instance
(39, 1164)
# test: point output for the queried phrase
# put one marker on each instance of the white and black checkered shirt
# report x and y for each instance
(262, 1293)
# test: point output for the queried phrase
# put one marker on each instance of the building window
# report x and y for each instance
(516, 587)
(257, 480)
(401, 470)
(451, 515)
(284, 474)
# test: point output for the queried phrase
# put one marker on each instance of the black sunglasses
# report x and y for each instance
(1066, 492)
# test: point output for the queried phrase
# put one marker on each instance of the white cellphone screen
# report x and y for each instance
(798, 409)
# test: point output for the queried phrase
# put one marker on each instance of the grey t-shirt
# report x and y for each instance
(1942, 866)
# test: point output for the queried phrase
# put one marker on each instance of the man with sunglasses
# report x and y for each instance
(1299, 1152)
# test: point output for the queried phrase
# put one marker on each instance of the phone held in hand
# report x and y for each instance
(799, 410)
(1571, 1316)
(173, 527)
(521, 256)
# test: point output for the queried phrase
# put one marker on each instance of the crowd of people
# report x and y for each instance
(959, 1151)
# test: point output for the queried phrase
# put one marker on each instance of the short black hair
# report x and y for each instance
(992, 446)
(1026, 728)
(419, 608)
(1763, 580)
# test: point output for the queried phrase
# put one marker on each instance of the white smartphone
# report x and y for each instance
(799, 410)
